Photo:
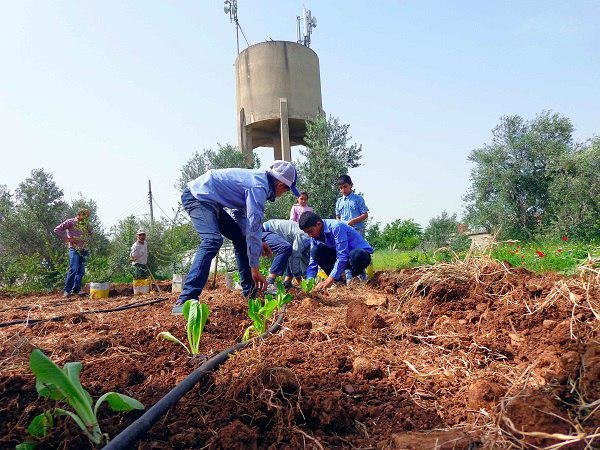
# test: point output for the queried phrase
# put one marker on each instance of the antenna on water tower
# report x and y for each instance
(231, 8)
(310, 22)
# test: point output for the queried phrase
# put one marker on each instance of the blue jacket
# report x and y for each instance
(245, 192)
(341, 236)
(347, 208)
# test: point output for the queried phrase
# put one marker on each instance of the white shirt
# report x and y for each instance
(139, 252)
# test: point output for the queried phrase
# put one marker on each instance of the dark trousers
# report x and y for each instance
(76, 270)
(212, 222)
(282, 251)
(325, 257)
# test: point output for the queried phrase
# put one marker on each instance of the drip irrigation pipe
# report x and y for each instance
(130, 435)
(28, 322)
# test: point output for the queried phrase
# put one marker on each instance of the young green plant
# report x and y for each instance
(260, 311)
(196, 315)
(308, 284)
(63, 385)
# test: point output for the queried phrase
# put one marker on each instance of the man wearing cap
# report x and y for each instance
(139, 256)
(244, 192)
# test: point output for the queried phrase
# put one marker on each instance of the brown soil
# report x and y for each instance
(458, 356)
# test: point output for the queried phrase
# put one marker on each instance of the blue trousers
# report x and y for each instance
(282, 251)
(325, 257)
(212, 222)
(76, 270)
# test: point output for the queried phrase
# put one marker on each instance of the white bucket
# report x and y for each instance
(229, 280)
(177, 284)
(141, 286)
(99, 290)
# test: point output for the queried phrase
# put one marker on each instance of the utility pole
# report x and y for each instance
(150, 203)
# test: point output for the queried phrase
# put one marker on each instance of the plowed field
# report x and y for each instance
(466, 355)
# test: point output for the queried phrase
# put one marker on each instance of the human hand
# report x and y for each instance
(266, 250)
(323, 285)
(259, 280)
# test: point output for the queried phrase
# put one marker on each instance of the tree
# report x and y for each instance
(225, 157)
(31, 253)
(400, 235)
(328, 154)
(574, 194)
(511, 175)
(442, 231)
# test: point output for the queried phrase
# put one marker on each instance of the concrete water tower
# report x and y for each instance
(278, 89)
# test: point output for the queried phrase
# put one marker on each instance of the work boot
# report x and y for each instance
(177, 309)
(66, 294)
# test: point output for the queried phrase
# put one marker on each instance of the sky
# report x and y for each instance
(106, 95)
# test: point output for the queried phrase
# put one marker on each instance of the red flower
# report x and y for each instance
(511, 243)
(565, 238)
(522, 256)
(560, 250)
(540, 254)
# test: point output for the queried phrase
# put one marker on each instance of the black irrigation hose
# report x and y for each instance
(130, 435)
(93, 311)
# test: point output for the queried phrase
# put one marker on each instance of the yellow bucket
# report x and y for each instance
(370, 271)
(322, 275)
(99, 290)
(141, 286)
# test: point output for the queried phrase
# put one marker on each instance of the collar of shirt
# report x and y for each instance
(271, 194)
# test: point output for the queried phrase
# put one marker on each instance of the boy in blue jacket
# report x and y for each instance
(351, 207)
(244, 192)
(335, 247)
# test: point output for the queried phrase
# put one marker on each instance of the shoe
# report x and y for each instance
(66, 294)
(287, 285)
(271, 289)
(80, 294)
(177, 309)
(363, 276)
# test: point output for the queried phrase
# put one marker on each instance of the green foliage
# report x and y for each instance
(400, 235)
(63, 385)
(32, 257)
(328, 154)
(225, 157)
(574, 195)
(307, 285)
(261, 310)
(533, 180)
(545, 256)
(442, 231)
(196, 315)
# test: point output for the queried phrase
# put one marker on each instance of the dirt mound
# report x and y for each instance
(466, 355)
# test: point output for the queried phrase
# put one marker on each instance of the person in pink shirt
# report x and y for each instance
(300, 207)
(76, 232)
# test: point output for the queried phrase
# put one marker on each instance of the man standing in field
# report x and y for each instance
(139, 256)
(76, 232)
(244, 192)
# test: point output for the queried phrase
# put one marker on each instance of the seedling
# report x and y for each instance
(260, 311)
(196, 315)
(64, 385)
(308, 284)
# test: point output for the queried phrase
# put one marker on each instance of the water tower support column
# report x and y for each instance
(284, 130)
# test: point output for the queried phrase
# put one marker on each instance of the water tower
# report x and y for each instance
(278, 89)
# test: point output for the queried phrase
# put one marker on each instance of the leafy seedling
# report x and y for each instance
(260, 311)
(63, 385)
(196, 315)
(308, 284)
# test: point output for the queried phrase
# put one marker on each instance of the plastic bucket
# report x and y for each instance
(177, 284)
(141, 286)
(370, 271)
(99, 290)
